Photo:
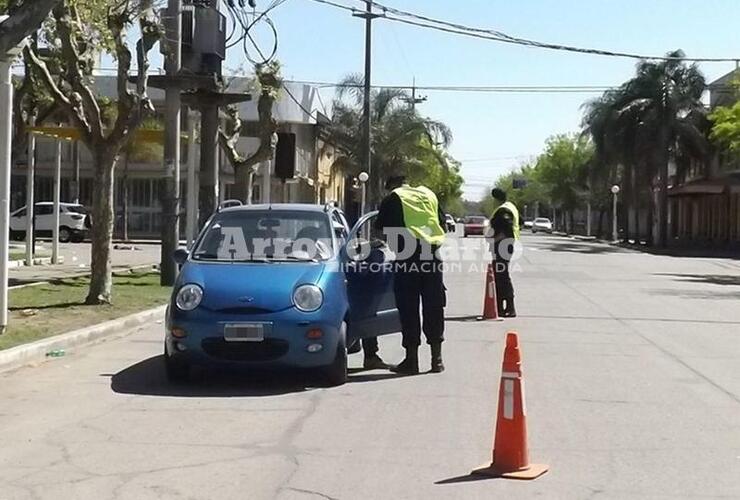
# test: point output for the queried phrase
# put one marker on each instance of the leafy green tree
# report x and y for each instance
(562, 170)
(653, 118)
(76, 42)
(403, 141)
(726, 127)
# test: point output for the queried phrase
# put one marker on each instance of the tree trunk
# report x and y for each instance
(101, 233)
(627, 200)
(651, 215)
(663, 203)
(242, 189)
(124, 182)
(600, 231)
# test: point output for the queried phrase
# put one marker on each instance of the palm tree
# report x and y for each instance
(655, 117)
(401, 137)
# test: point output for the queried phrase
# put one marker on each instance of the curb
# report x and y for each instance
(38, 261)
(35, 352)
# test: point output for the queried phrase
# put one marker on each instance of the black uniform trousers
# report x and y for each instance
(504, 286)
(417, 282)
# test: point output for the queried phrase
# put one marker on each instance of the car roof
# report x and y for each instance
(294, 207)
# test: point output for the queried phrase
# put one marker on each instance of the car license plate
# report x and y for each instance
(244, 332)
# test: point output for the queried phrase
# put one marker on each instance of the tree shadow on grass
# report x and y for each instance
(63, 305)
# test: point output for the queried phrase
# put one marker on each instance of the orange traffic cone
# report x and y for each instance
(510, 452)
(490, 304)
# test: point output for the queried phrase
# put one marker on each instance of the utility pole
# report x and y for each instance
(415, 100)
(368, 16)
(170, 197)
(56, 199)
(30, 203)
(191, 211)
(76, 163)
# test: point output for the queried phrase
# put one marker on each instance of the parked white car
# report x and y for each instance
(74, 221)
(542, 224)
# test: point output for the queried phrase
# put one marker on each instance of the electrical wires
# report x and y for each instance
(524, 89)
(243, 20)
(413, 19)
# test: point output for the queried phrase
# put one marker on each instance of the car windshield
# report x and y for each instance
(267, 236)
(475, 220)
(76, 209)
(542, 221)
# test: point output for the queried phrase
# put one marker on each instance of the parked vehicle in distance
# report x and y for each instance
(275, 287)
(542, 224)
(475, 225)
(74, 221)
(528, 224)
(450, 223)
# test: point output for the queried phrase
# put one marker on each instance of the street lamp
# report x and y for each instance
(363, 178)
(6, 138)
(615, 192)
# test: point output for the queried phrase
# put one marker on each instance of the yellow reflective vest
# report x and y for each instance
(421, 213)
(515, 214)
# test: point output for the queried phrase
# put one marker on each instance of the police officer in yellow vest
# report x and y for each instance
(414, 213)
(505, 231)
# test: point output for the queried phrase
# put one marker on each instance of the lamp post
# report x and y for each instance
(363, 178)
(615, 232)
(6, 139)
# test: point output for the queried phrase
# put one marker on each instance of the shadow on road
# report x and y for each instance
(464, 319)
(465, 479)
(589, 249)
(713, 279)
(147, 378)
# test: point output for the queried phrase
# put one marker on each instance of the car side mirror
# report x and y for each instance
(180, 256)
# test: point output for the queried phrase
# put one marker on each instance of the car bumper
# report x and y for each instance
(285, 344)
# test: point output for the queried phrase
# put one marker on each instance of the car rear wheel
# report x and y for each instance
(177, 371)
(64, 234)
(336, 373)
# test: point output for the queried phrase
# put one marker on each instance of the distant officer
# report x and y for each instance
(415, 213)
(505, 231)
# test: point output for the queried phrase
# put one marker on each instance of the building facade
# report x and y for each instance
(304, 171)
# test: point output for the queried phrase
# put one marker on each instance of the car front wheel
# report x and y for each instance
(336, 373)
(176, 371)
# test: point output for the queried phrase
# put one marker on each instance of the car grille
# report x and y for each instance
(266, 350)
(243, 310)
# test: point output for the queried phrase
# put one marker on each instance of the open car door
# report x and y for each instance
(369, 271)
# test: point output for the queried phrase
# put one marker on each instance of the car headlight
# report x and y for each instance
(308, 298)
(188, 297)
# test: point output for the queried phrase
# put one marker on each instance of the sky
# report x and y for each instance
(494, 133)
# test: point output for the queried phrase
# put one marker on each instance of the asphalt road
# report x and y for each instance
(632, 366)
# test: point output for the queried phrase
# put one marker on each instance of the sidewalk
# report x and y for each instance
(77, 263)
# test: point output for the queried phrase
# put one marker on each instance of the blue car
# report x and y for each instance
(278, 286)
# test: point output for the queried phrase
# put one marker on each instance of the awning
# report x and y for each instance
(141, 136)
(699, 188)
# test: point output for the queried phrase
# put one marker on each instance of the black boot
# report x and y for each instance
(500, 306)
(437, 364)
(410, 365)
(373, 362)
(510, 311)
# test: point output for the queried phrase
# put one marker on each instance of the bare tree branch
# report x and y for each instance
(22, 22)
(71, 106)
(65, 15)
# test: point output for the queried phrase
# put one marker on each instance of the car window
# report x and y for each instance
(266, 235)
(475, 220)
(20, 213)
(44, 209)
(75, 209)
(337, 221)
(542, 221)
